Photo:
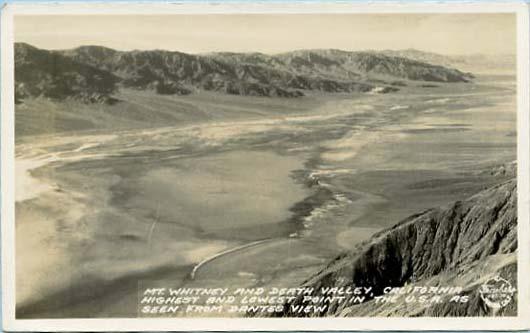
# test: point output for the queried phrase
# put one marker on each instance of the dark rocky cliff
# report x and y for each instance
(463, 244)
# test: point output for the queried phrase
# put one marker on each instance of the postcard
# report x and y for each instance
(265, 166)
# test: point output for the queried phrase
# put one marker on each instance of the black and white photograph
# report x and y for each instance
(265, 166)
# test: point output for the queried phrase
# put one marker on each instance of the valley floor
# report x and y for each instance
(261, 194)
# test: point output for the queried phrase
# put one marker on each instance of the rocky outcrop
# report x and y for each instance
(463, 244)
(92, 73)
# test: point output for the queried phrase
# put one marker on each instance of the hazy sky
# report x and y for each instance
(440, 33)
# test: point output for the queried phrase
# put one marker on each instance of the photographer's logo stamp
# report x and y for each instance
(497, 292)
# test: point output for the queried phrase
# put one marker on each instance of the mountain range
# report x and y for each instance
(93, 74)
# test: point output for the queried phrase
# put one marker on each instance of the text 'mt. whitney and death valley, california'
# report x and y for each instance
(265, 166)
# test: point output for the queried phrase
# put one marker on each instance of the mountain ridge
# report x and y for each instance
(42, 73)
(291, 74)
(476, 63)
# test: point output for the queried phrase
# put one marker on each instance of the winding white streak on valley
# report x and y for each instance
(223, 253)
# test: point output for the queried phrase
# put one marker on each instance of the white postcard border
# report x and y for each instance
(522, 321)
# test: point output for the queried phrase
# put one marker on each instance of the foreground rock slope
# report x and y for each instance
(463, 244)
